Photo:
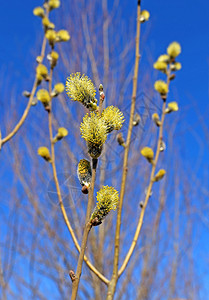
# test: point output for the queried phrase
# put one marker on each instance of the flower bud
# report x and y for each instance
(164, 58)
(43, 96)
(174, 49)
(53, 4)
(172, 106)
(53, 57)
(161, 87)
(44, 152)
(39, 59)
(148, 153)
(51, 36)
(58, 89)
(38, 11)
(41, 70)
(162, 146)
(62, 132)
(160, 174)
(144, 16)
(26, 94)
(176, 66)
(120, 140)
(63, 36)
(160, 65)
(84, 174)
(136, 119)
(156, 119)
(34, 102)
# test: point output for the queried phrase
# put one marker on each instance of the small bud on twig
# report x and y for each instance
(150, 194)
(120, 140)
(141, 204)
(148, 153)
(85, 190)
(162, 146)
(26, 94)
(137, 119)
(156, 119)
(72, 275)
(173, 76)
(160, 174)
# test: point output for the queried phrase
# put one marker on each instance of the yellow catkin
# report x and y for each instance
(43, 96)
(148, 153)
(161, 87)
(113, 118)
(80, 88)
(44, 152)
(63, 36)
(174, 49)
(38, 11)
(107, 200)
(160, 174)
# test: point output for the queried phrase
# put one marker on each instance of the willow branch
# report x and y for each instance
(88, 225)
(67, 222)
(26, 111)
(85, 234)
(149, 189)
(113, 282)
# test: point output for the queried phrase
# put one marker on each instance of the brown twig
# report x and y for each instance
(26, 111)
(149, 189)
(85, 234)
(88, 225)
(67, 222)
(114, 279)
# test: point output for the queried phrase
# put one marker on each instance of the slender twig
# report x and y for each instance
(67, 222)
(88, 225)
(24, 116)
(149, 189)
(26, 111)
(114, 279)
(85, 234)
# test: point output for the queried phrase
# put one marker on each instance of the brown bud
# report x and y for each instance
(173, 76)
(72, 275)
(84, 190)
(162, 146)
(120, 139)
(137, 119)
(141, 204)
(26, 94)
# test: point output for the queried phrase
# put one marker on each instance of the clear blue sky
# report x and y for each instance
(184, 21)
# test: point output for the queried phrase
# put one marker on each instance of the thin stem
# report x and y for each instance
(24, 116)
(26, 111)
(85, 234)
(149, 189)
(67, 222)
(88, 225)
(114, 279)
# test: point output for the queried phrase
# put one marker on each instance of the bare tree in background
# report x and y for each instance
(36, 249)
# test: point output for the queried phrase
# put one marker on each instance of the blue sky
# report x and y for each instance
(183, 21)
(169, 21)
